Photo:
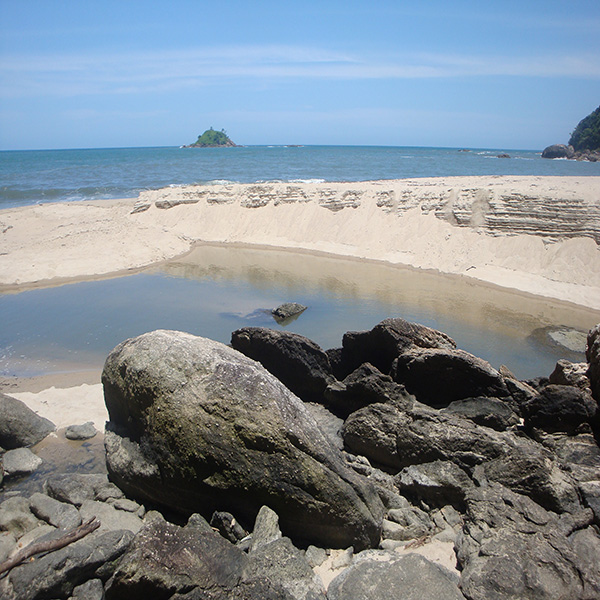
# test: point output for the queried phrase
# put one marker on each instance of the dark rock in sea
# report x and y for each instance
(19, 425)
(437, 483)
(85, 431)
(438, 376)
(56, 574)
(503, 155)
(488, 412)
(299, 363)
(592, 354)
(558, 151)
(410, 577)
(382, 344)
(511, 548)
(195, 425)
(287, 310)
(560, 408)
(366, 385)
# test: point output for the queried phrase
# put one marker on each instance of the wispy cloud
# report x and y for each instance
(69, 75)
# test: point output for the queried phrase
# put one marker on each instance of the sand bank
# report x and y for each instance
(535, 234)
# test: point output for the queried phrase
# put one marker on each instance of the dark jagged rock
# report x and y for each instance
(489, 412)
(512, 549)
(199, 426)
(19, 425)
(560, 408)
(367, 385)
(438, 376)
(382, 344)
(592, 354)
(411, 577)
(558, 151)
(226, 524)
(299, 363)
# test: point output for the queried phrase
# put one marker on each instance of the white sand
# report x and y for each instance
(68, 406)
(413, 222)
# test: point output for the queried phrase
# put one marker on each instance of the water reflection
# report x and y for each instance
(216, 289)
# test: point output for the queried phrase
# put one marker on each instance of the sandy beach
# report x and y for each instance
(537, 235)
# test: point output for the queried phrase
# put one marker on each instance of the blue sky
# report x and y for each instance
(508, 74)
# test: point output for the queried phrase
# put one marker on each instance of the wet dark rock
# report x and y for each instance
(299, 363)
(287, 310)
(437, 483)
(56, 574)
(488, 412)
(410, 577)
(198, 426)
(560, 408)
(511, 548)
(19, 425)
(366, 385)
(382, 344)
(85, 431)
(438, 376)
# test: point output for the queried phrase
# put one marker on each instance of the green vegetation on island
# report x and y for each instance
(587, 134)
(212, 139)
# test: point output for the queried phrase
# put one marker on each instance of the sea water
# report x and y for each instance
(215, 291)
(33, 176)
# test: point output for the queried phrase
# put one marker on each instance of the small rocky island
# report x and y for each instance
(584, 143)
(213, 139)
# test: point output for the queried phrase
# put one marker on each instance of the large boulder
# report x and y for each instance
(19, 425)
(382, 344)
(197, 426)
(296, 361)
(592, 354)
(439, 376)
(558, 151)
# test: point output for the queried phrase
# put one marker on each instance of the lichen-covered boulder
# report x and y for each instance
(198, 427)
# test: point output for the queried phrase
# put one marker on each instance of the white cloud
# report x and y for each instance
(70, 75)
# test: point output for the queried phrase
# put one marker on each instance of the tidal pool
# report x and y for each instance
(214, 290)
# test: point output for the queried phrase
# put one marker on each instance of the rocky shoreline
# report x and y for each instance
(394, 466)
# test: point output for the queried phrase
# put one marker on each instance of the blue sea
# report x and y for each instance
(34, 176)
(73, 327)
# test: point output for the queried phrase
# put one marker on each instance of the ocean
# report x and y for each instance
(73, 327)
(34, 176)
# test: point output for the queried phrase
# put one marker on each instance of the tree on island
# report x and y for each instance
(212, 139)
(587, 134)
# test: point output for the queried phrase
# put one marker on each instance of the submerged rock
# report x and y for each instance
(287, 310)
(195, 425)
